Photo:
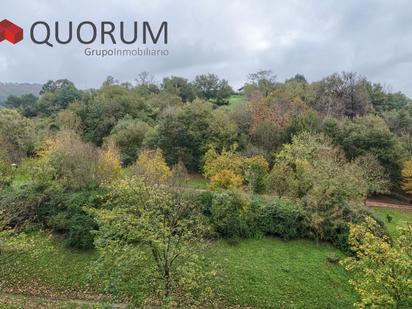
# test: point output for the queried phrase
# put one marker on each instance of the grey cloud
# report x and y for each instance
(231, 38)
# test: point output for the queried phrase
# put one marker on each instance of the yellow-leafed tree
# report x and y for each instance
(152, 167)
(407, 176)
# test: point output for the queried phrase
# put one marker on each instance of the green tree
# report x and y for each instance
(56, 95)
(282, 180)
(382, 268)
(330, 190)
(25, 104)
(179, 86)
(374, 174)
(153, 230)
(100, 112)
(130, 135)
(210, 87)
(187, 133)
(255, 170)
(264, 81)
(17, 135)
(6, 170)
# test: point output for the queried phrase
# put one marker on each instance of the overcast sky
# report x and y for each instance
(228, 37)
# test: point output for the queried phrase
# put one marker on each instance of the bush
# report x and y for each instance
(80, 234)
(339, 234)
(52, 208)
(231, 215)
(224, 170)
(256, 170)
(78, 165)
(20, 207)
(227, 217)
(6, 172)
(226, 179)
(151, 167)
(282, 218)
(63, 212)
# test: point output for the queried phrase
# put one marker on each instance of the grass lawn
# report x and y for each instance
(36, 264)
(236, 99)
(271, 273)
(263, 273)
(197, 181)
(400, 218)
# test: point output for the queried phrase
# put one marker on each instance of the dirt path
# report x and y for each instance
(385, 202)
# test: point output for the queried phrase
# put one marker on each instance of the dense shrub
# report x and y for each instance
(20, 207)
(6, 171)
(78, 165)
(231, 214)
(282, 218)
(129, 136)
(63, 212)
(80, 233)
(256, 169)
(224, 170)
(52, 208)
(228, 214)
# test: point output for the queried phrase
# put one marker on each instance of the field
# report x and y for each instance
(271, 270)
(400, 218)
(258, 273)
(236, 99)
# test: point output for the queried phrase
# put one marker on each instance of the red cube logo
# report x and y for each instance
(10, 32)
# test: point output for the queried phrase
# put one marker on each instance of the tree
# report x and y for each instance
(297, 78)
(210, 87)
(179, 86)
(185, 134)
(407, 176)
(223, 170)
(282, 180)
(56, 95)
(271, 118)
(369, 134)
(17, 135)
(335, 189)
(100, 112)
(151, 231)
(330, 190)
(264, 81)
(129, 135)
(382, 268)
(342, 95)
(255, 170)
(25, 104)
(6, 170)
(374, 174)
(67, 119)
(78, 165)
(152, 167)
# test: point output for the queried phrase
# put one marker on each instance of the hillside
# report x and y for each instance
(7, 89)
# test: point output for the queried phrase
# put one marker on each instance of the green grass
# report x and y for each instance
(37, 264)
(197, 182)
(271, 273)
(264, 273)
(400, 218)
(236, 100)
